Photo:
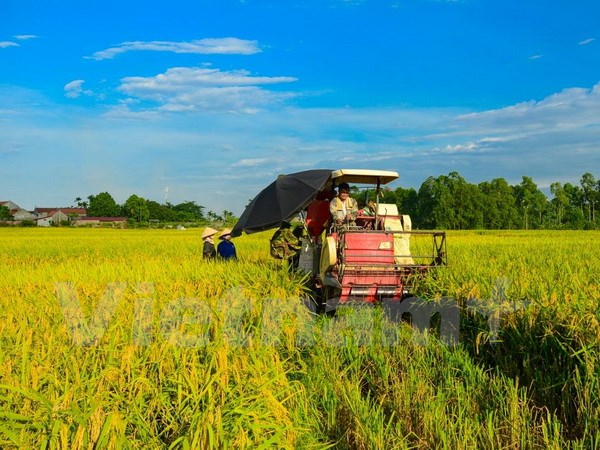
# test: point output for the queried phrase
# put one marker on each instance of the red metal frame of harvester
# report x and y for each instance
(368, 270)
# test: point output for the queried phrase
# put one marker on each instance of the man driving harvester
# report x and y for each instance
(343, 208)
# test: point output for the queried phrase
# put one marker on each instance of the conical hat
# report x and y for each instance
(225, 232)
(208, 231)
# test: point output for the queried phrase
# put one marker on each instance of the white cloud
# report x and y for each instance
(534, 57)
(208, 46)
(203, 89)
(586, 41)
(6, 44)
(551, 139)
(554, 138)
(568, 109)
(250, 162)
(461, 148)
(74, 89)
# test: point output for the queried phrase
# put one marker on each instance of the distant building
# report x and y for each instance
(52, 218)
(16, 211)
(21, 214)
(44, 217)
(10, 205)
(115, 222)
(69, 212)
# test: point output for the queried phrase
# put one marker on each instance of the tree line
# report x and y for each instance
(451, 202)
(138, 209)
(442, 202)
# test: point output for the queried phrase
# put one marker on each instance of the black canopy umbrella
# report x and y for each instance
(281, 200)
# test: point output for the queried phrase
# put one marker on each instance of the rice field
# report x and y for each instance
(127, 339)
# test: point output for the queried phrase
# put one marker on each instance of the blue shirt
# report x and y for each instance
(226, 249)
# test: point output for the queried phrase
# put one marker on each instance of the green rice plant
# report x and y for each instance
(196, 354)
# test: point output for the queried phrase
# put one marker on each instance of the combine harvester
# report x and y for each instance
(367, 260)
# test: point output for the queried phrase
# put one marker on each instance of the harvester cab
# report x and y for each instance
(374, 257)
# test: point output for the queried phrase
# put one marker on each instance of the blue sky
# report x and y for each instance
(213, 99)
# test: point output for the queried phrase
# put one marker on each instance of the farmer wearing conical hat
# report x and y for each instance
(226, 248)
(208, 250)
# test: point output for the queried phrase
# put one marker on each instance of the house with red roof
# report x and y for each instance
(16, 211)
(70, 212)
(44, 217)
